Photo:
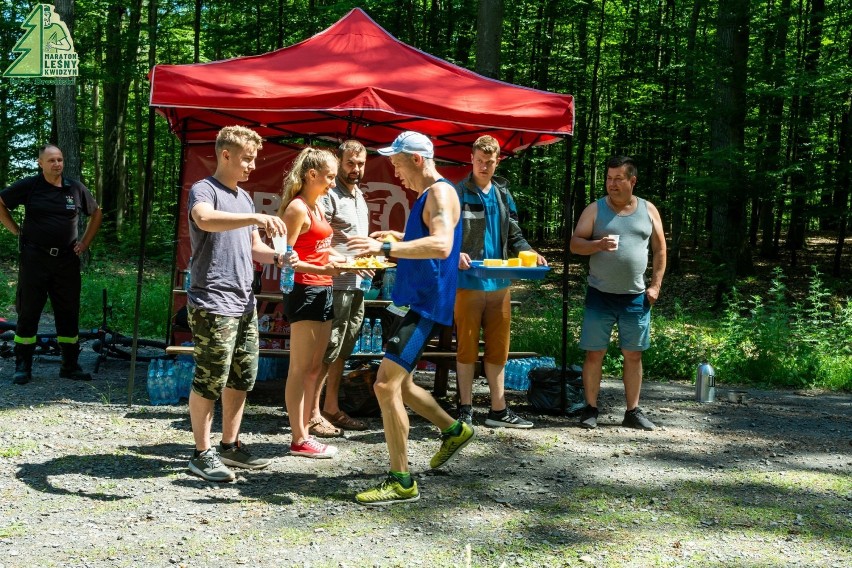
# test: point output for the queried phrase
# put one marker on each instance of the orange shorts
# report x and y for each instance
(492, 313)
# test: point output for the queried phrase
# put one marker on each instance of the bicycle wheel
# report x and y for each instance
(120, 347)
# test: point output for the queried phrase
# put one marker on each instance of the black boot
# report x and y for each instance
(23, 363)
(70, 369)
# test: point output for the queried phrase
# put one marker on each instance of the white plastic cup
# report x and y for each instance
(279, 244)
(615, 238)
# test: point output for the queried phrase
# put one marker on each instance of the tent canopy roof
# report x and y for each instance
(355, 80)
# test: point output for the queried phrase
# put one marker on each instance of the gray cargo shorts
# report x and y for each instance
(348, 316)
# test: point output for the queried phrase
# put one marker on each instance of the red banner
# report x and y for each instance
(389, 203)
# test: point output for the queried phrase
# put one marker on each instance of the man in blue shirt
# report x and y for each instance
(489, 230)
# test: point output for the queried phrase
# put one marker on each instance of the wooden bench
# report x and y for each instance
(441, 351)
(444, 361)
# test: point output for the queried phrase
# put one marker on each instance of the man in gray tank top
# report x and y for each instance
(615, 231)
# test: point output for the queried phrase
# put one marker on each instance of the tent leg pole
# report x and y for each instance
(567, 228)
(143, 235)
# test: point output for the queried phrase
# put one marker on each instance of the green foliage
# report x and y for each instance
(774, 342)
(159, 242)
(766, 341)
(678, 345)
(119, 279)
(537, 324)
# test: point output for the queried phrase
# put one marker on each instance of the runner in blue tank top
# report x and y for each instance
(426, 282)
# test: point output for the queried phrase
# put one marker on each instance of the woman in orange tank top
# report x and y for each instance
(309, 306)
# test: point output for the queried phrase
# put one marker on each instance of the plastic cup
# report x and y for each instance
(279, 244)
(615, 238)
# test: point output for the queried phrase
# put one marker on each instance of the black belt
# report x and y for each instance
(55, 251)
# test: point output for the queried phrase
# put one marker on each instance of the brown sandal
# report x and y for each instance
(343, 420)
(321, 428)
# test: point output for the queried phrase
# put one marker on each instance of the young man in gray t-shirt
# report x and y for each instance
(223, 231)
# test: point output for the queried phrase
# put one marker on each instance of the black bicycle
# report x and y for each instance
(46, 343)
(110, 343)
(105, 341)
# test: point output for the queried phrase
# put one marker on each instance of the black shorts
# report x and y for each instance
(309, 303)
(406, 344)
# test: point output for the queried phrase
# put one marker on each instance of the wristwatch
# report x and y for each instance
(275, 258)
(386, 248)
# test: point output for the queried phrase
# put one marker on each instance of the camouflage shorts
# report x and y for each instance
(226, 350)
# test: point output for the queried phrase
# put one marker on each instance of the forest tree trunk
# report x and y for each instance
(67, 137)
(802, 178)
(489, 32)
(727, 142)
(119, 47)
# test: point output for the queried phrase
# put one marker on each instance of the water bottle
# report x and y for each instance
(170, 384)
(188, 273)
(153, 392)
(366, 336)
(187, 372)
(377, 337)
(162, 385)
(366, 284)
(357, 347)
(509, 374)
(287, 273)
(180, 380)
(387, 283)
(528, 365)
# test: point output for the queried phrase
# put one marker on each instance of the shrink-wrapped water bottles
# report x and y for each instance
(516, 374)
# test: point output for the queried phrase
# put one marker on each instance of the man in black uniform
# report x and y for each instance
(49, 258)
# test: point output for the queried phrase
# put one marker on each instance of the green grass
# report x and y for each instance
(119, 279)
(13, 530)
(16, 450)
(766, 340)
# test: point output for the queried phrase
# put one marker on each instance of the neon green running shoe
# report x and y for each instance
(451, 445)
(389, 492)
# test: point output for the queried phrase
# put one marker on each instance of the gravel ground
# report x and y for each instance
(86, 480)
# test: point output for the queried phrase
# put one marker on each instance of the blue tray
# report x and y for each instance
(509, 272)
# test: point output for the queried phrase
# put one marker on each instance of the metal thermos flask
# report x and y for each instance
(705, 383)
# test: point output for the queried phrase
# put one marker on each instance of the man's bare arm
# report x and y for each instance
(581, 240)
(92, 228)
(209, 219)
(441, 215)
(7, 220)
(658, 248)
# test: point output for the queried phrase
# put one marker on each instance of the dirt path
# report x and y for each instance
(87, 481)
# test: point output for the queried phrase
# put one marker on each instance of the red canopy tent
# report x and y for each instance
(355, 80)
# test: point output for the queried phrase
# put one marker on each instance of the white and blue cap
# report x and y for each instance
(410, 142)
